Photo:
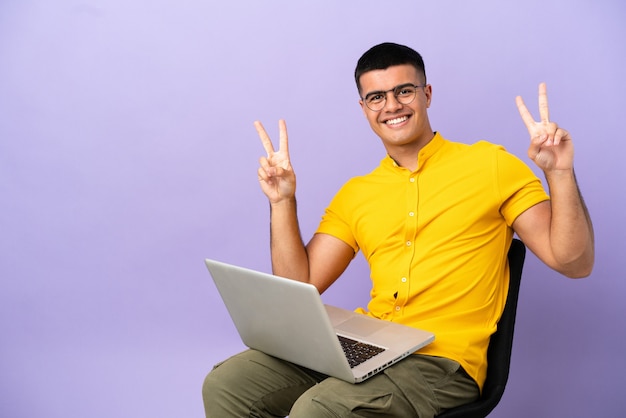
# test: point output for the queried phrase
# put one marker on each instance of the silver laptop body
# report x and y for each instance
(287, 319)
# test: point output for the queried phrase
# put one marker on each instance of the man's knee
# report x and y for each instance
(210, 386)
(309, 405)
(253, 380)
(214, 394)
(335, 398)
(326, 399)
(222, 387)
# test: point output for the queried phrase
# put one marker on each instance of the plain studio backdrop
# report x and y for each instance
(128, 155)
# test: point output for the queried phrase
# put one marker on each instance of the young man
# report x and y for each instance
(434, 221)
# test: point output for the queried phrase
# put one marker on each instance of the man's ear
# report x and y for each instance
(428, 91)
(363, 108)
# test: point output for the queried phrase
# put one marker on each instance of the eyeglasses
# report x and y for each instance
(404, 94)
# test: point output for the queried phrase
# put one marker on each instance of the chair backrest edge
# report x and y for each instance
(500, 345)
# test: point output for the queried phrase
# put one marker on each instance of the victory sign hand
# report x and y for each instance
(276, 176)
(551, 147)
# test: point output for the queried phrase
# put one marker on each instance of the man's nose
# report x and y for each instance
(391, 102)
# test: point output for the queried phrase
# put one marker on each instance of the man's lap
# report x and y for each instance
(255, 384)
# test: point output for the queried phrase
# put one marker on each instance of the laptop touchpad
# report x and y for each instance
(361, 325)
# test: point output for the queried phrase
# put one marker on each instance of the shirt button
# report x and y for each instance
(397, 308)
(412, 180)
(404, 280)
(411, 213)
(408, 243)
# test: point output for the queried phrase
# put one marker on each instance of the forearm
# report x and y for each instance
(571, 230)
(289, 256)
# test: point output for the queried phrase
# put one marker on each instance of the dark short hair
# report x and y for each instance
(385, 55)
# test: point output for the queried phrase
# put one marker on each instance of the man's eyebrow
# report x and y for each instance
(391, 89)
(375, 92)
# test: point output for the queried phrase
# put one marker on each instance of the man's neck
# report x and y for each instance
(406, 156)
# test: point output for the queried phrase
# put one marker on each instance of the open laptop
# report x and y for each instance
(287, 319)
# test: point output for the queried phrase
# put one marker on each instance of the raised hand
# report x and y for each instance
(276, 176)
(551, 147)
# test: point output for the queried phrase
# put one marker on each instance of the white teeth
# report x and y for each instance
(396, 120)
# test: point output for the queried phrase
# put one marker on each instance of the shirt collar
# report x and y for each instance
(425, 153)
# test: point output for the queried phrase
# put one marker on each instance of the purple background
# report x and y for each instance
(128, 155)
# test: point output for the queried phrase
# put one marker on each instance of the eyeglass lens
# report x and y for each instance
(404, 94)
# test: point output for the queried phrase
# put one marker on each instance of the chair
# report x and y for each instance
(500, 345)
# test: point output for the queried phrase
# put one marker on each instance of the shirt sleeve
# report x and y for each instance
(519, 187)
(335, 220)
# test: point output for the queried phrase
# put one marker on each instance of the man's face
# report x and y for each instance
(398, 124)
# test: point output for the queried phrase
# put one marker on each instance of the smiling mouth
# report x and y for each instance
(396, 120)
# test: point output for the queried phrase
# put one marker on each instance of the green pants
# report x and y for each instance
(253, 384)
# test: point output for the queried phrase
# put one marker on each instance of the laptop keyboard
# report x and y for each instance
(358, 352)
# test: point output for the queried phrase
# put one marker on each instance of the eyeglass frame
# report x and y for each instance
(395, 92)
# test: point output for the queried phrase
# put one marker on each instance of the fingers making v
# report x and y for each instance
(544, 112)
(283, 146)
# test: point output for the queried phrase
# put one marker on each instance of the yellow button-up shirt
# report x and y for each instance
(436, 241)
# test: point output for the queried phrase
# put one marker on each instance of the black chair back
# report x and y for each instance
(500, 346)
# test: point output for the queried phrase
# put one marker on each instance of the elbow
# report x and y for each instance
(579, 269)
(578, 274)
(575, 261)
